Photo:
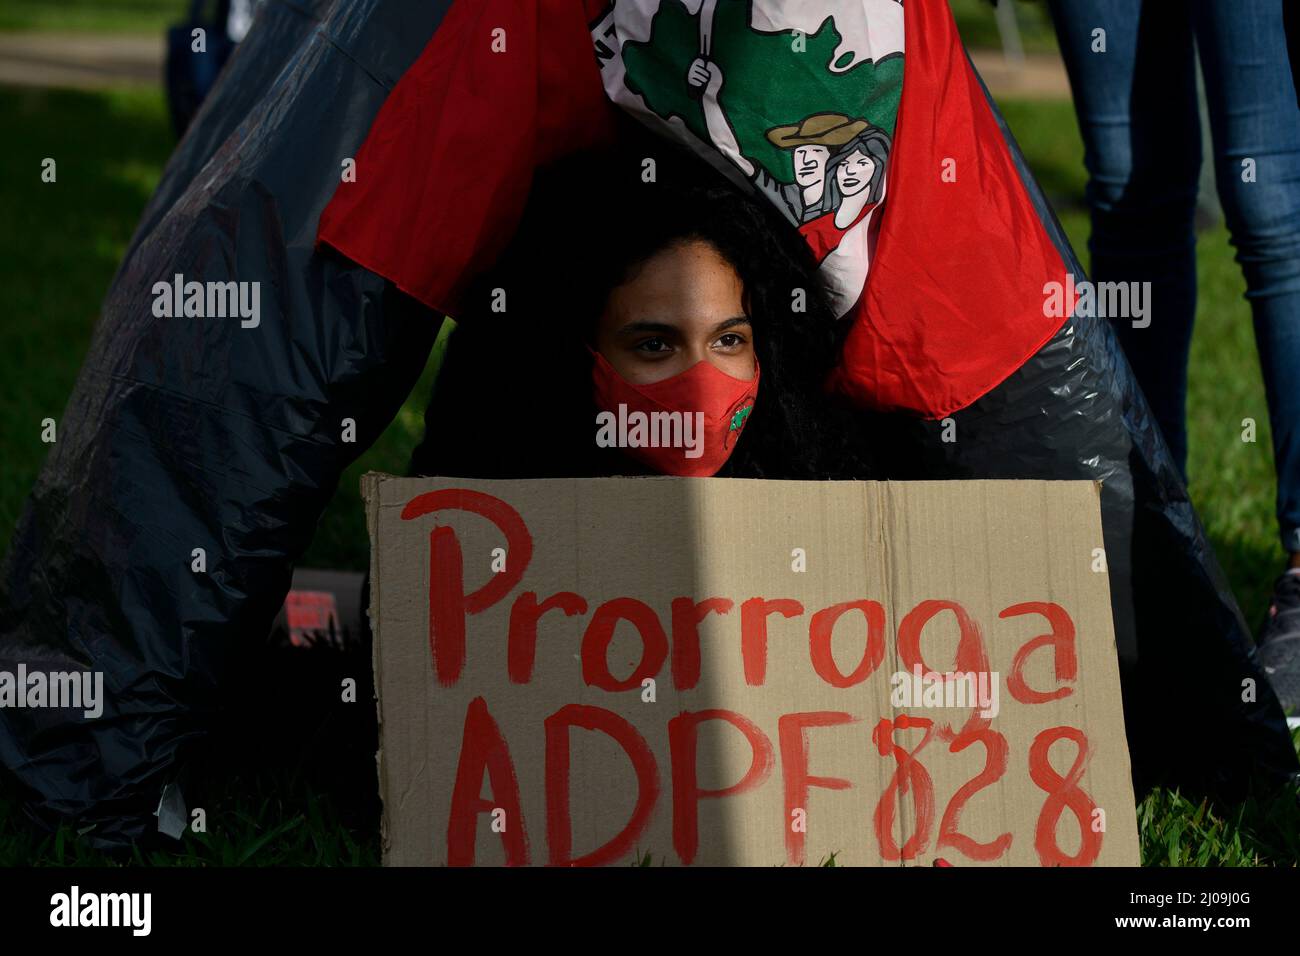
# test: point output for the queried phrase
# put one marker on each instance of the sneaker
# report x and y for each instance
(1279, 646)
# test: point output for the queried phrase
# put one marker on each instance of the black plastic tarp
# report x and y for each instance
(184, 435)
(283, 26)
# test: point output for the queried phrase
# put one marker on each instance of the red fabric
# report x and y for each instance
(824, 237)
(445, 170)
(954, 299)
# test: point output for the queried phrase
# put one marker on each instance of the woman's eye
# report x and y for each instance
(730, 341)
(653, 345)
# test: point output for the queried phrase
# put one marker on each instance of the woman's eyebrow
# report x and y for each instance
(661, 328)
(636, 328)
(730, 324)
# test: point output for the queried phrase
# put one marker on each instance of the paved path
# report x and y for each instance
(80, 60)
(1041, 77)
(89, 61)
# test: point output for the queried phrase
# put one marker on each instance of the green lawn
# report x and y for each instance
(60, 244)
(978, 28)
(99, 16)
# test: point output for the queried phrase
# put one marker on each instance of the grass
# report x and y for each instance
(978, 27)
(260, 824)
(98, 16)
(61, 243)
(59, 247)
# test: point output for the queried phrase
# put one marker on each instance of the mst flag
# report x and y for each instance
(813, 103)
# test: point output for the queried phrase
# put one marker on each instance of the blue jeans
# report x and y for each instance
(1138, 112)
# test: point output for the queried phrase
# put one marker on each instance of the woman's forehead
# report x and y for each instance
(689, 287)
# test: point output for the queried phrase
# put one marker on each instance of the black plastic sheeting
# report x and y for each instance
(281, 28)
(204, 434)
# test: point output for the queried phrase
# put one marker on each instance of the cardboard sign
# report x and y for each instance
(714, 671)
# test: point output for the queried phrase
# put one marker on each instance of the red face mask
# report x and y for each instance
(686, 425)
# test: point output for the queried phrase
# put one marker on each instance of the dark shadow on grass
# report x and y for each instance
(60, 248)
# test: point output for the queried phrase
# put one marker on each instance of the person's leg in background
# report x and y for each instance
(1255, 125)
(1132, 68)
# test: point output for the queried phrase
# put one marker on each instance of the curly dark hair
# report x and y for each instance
(514, 394)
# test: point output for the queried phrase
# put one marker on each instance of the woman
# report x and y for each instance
(855, 186)
(675, 295)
